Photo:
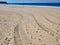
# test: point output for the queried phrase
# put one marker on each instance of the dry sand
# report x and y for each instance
(29, 25)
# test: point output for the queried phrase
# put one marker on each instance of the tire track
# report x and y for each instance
(24, 37)
(17, 37)
(41, 26)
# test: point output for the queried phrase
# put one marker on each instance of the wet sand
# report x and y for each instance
(29, 25)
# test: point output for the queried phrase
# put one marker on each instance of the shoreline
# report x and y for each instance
(31, 6)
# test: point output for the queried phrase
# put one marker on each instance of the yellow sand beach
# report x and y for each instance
(24, 25)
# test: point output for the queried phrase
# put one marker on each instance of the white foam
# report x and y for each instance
(34, 6)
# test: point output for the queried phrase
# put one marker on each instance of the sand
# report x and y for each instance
(29, 25)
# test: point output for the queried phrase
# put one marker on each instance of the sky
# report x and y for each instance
(32, 1)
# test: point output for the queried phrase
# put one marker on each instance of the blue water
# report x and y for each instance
(37, 4)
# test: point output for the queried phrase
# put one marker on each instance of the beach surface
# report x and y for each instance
(24, 25)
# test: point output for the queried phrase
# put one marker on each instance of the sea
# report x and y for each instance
(35, 4)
